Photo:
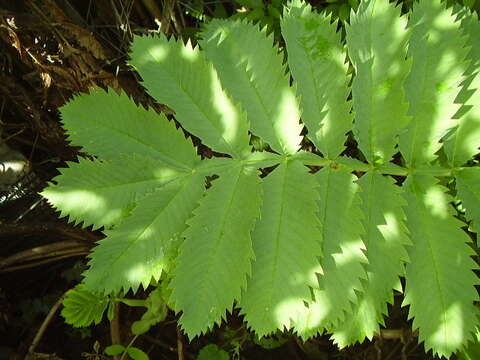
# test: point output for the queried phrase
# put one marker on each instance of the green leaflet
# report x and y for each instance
(472, 350)
(179, 76)
(343, 258)
(133, 352)
(287, 247)
(100, 121)
(464, 142)
(141, 247)
(440, 279)
(468, 187)
(216, 256)
(471, 27)
(438, 51)
(212, 352)
(316, 58)
(82, 307)
(136, 353)
(385, 238)
(376, 42)
(156, 311)
(255, 77)
(102, 193)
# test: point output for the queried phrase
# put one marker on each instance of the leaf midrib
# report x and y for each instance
(163, 157)
(161, 213)
(203, 288)
(253, 85)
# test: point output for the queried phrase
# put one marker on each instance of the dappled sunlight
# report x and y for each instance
(438, 51)
(449, 333)
(219, 35)
(229, 114)
(363, 322)
(471, 137)
(441, 267)
(135, 273)
(350, 252)
(317, 315)
(188, 52)
(80, 205)
(442, 21)
(339, 59)
(167, 173)
(287, 120)
(342, 248)
(435, 201)
(102, 193)
(287, 109)
(287, 310)
(148, 232)
(144, 243)
(184, 80)
(396, 32)
(376, 42)
(158, 52)
(317, 61)
(77, 198)
(312, 318)
(385, 237)
(299, 278)
(141, 273)
(391, 229)
(290, 256)
(385, 19)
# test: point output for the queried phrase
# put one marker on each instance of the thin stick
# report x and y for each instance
(43, 262)
(159, 343)
(129, 344)
(45, 251)
(115, 328)
(396, 333)
(44, 326)
(181, 356)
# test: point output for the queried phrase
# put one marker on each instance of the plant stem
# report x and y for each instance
(129, 344)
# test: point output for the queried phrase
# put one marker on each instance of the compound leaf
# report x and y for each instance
(216, 256)
(290, 249)
(287, 247)
(441, 266)
(316, 58)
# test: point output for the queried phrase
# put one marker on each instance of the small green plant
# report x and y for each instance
(133, 352)
(298, 248)
(263, 13)
(212, 352)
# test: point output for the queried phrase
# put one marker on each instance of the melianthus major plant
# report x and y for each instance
(299, 249)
